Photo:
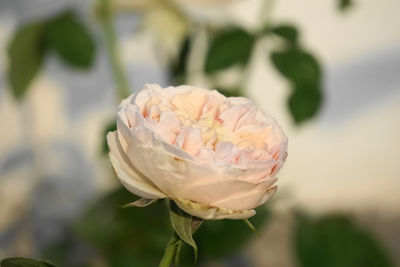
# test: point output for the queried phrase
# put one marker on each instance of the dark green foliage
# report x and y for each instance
(228, 48)
(26, 52)
(288, 32)
(221, 238)
(229, 91)
(344, 5)
(336, 241)
(24, 262)
(179, 66)
(71, 40)
(126, 237)
(305, 75)
(64, 34)
(298, 66)
(138, 236)
(304, 103)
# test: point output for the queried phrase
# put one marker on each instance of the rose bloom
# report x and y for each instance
(215, 156)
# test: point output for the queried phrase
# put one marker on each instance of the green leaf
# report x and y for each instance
(179, 67)
(230, 91)
(24, 262)
(344, 5)
(304, 103)
(182, 224)
(228, 48)
(71, 40)
(298, 66)
(304, 73)
(288, 32)
(26, 51)
(336, 241)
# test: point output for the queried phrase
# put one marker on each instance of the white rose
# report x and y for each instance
(216, 157)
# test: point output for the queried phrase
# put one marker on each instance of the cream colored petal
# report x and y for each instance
(191, 102)
(250, 199)
(177, 175)
(129, 176)
(208, 212)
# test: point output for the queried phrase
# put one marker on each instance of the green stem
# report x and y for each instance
(170, 251)
(106, 17)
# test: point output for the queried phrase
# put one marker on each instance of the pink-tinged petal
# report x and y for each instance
(168, 127)
(210, 191)
(249, 118)
(231, 116)
(249, 199)
(190, 140)
(191, 102)
(208, 212)
(129, 176)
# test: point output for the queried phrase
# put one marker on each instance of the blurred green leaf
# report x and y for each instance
(112, 126)
(288, 32)
(304, 73)
(24, 262)
(138, 236)
(344, 5)
(229, 91)
(26, 52)
(126, 237)
(230, 47)
(298, 66)
(71, 40)
(304, 103)
(179, 66)
(336, 241)
(221, 238)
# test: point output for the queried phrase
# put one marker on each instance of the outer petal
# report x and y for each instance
(208, 212)
(251, 199)
(129, 176)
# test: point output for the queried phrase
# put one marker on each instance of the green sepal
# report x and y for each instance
(140, 203)
(184, 225)
(251, 227)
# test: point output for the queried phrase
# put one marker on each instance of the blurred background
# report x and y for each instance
(329, 71)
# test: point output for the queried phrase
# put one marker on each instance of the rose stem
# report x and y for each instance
(170, 251)
(106, 18)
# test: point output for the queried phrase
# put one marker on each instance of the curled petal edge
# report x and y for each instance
(208, 212)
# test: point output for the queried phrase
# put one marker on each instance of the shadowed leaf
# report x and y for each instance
(304, 73)
(344, 5)
(229, 91)
(26, 52)
(288, 32)
(304, 103)
(71, 40)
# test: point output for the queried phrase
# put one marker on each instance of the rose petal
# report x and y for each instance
(129, 176)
